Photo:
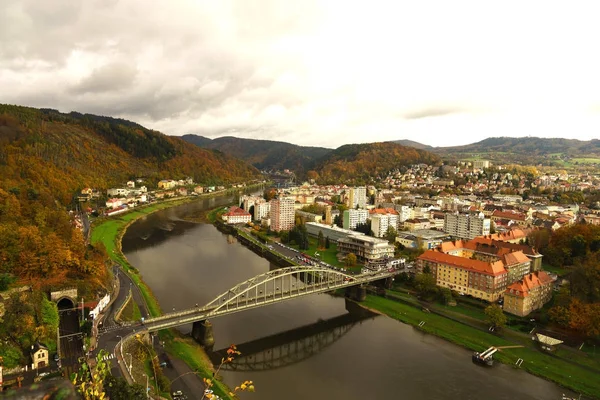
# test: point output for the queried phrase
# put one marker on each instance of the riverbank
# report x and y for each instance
(110, 232)
(579, 378)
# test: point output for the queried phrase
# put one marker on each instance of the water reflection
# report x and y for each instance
(292, 346)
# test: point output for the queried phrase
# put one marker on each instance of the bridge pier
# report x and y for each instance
(202, 332)
(356, 293)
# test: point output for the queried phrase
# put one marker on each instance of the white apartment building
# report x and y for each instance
(282, 214)
(404, 213)
(366, 248)
(354, 217)
(466, 226)
(357, 197)
(261, 210)
(381, 222)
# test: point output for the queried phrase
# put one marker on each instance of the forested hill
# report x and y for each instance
(47, 157)
(263, 154)
(528, 150)
(357, 163)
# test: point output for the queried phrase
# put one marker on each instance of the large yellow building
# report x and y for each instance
(480, 279)
(480, 268)
(528, 294)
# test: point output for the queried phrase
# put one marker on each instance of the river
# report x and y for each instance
(334, 354)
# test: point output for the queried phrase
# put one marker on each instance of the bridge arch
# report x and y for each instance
(300, 273)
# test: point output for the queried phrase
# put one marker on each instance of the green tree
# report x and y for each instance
(495, 316)
(390, 234)
(6, 280)
(116, 388)
(321, 240)
(425, 284)
(327, 244)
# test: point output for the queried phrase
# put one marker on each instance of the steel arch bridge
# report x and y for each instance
(268, 288)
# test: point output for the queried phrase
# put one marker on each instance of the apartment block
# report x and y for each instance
(282, 214)
(528, 294)
(466, 226)
(354, 217)
(357, 197)
(365, 248)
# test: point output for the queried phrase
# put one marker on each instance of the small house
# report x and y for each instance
(39, 356)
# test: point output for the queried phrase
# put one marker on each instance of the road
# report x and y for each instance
(110, 334)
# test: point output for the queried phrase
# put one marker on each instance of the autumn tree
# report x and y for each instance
(350, 260)
(495, 316)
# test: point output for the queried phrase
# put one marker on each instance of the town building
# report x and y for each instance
(282, 214)
(415, 224)
(466, 226)
(333, 232)
(382, 219)
(261, 210)
(480, 279)
(167, 184)
(528, 294)
(353, 217)
(236, 215)
(481, 267)
(39, 356)
(423, 239)
(365, 248)
(357, 197)
(481, 164)
(309, 217)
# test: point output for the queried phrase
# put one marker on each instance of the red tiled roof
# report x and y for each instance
(509, 215)
(495, 268)
(386, 210)
(516, 257)
(236, 211)
(529, 282)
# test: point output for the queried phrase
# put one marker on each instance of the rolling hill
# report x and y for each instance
(47, 157)
(357, 163)
(527, 150)
(266, 155)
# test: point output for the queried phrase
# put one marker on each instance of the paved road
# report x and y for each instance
(110, 333)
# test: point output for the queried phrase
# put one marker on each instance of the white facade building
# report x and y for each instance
(261, 210)
(354, 217)
(466, 226)
(357, 197)
(381, 222)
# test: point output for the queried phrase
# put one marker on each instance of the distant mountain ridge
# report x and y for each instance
(263, 154)
(348, 163)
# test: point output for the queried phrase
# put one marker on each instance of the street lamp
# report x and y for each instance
(147, 388)
(130, 362)
(121, 344)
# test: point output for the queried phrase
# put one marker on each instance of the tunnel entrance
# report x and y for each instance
(65, 304)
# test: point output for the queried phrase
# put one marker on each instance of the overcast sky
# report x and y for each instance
(322, 73)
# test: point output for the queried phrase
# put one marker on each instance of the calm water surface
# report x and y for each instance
(334, 354)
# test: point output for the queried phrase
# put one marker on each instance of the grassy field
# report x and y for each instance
(131, 312)
(560, 271)
(586, 160)
(567, 374)
(328, 255)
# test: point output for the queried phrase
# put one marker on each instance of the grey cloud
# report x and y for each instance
(111, 77)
